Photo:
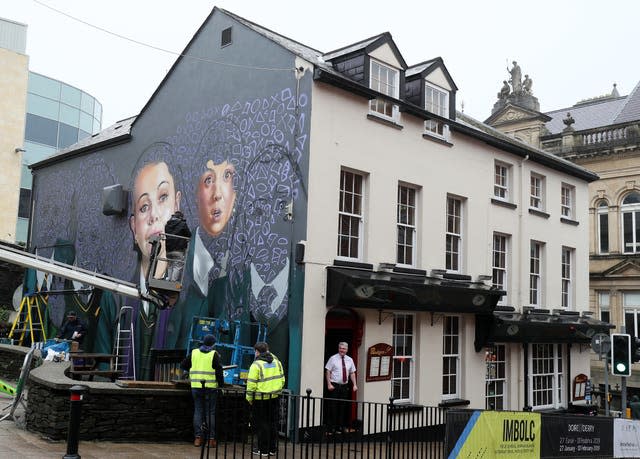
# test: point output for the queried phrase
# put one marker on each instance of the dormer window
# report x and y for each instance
(384, 79)
(437, 102)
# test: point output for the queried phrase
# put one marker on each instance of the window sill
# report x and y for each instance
(437, 139)
(404, 407)
(352, 263)
(453, 403)
(568, 221)
(539, 213)
(385, 121)
(500, 202)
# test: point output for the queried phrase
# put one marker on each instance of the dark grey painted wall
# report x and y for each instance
(234, 100)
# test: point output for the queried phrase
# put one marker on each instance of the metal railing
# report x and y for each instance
(306, 429)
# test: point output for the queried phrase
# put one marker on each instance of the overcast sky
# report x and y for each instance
(572, 49)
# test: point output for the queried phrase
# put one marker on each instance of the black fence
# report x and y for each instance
(307, 428)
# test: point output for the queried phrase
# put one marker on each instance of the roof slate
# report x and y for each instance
(118, 129)
(631, 109)
(413, 70)
(351, 48)
(588, 116)
(467, 120)
(598, 113)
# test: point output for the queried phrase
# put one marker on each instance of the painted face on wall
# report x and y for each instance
(216, 196)
(155, 199)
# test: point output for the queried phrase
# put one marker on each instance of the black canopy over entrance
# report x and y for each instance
(353, 287)
(536, 326)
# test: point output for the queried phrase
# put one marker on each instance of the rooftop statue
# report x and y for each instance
(516, 78)
(526, 85)
(504, 91)
(516, 91)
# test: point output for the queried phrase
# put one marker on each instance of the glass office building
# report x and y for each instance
(58, 115)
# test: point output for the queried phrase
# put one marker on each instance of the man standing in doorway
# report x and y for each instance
(338, 371)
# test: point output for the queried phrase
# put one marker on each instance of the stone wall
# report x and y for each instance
(11, 360)
(114, 413)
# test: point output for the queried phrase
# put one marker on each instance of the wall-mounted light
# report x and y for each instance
(19, 150)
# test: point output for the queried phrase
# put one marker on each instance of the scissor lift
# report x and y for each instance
(229, 336)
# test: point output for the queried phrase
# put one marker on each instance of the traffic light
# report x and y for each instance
(620, 354)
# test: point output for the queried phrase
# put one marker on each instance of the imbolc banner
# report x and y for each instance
(499, 434)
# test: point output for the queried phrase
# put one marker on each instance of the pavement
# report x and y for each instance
(17, 442)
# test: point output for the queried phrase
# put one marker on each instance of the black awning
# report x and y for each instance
(537, 327)
(362, 288)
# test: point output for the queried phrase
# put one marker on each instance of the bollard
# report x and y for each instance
(75, 411)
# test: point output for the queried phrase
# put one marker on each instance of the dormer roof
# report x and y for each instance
(424, 69)
(368, 46)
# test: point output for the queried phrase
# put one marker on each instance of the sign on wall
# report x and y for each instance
(379, 362)
(580, 386)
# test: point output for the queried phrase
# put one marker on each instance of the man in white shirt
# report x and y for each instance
(338, 371)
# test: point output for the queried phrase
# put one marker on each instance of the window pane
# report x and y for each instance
(68, 135)
(604, 233)
(69, 115)
(41, 130)
(632, 198)
(24, 204)
(86, 122)
(42, 106)
(87, 104)
(97, 111)
(70, 95)
(627, 224)
(44, 86)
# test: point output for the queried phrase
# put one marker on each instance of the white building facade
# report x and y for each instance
(392, 192)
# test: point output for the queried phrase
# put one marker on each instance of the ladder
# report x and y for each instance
(124, 348)
(29, 319)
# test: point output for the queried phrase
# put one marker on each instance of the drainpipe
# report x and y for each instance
(520, 299)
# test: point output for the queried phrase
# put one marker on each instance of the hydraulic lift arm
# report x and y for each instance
(29, 260)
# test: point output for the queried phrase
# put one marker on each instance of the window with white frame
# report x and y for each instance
(405, 248)
(536, 198)
(350, 216)
(535, 273)
(631, 306)
(401, 382)
(567, 277)
(454, 234)
(499, 262)
(603, 306)
(567, 200)
(546, 377)
(437, 102)
(495, 377)
(384, 79)
(630, 210)
(603, 227)
(450, 357)
(502, 181)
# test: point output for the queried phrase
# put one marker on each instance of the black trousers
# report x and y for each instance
(338, 411)
(265, 420)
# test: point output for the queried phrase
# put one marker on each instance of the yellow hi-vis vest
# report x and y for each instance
(202, 369)
(265, 380)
